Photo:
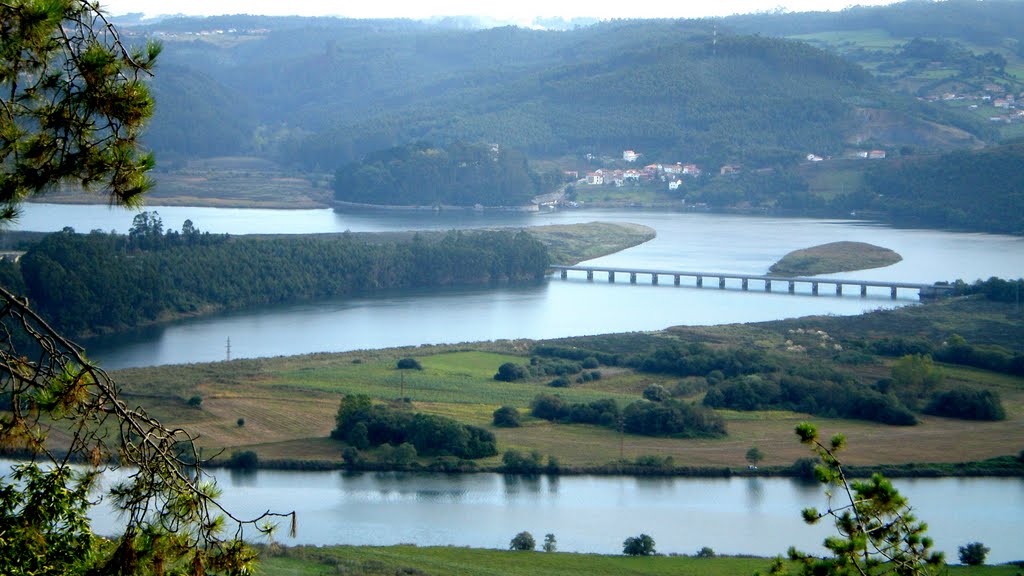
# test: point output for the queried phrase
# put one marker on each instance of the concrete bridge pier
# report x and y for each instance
(744, 283)
(654, 279)
(721, 282)
(892, 292)
(767, 285)
(565, 274)
(839, 288)
(814, 288)
(677, 279)
(590, 275)
(700, 281)
(632, 277)
(792, 287)
(611, 276)
(863, 290)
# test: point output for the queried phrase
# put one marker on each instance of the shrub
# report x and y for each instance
(967, 404)
(656, 393)
(705, 552)
(510, 372)
(523, 542)
(506, 417)
(560, 382)
(515, 461)
(409, 364)
(195, 401)
(589, 363)
(240, 422)
(246, 460)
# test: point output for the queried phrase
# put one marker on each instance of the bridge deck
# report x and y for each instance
(735, 276)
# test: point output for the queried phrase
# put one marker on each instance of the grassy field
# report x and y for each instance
(834, 257)
(449, 561)
(288, 404)
(230, 182)
(631, 195)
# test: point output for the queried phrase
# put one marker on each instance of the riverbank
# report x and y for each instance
(283, 409)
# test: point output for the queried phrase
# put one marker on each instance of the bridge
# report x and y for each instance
(924, 291)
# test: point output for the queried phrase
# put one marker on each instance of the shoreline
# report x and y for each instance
(999, 467)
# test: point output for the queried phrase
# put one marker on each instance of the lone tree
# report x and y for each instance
(73, 99)
(754, 456)
(642, 545)
(877, 534)
(522, 542)
(550, 544)
(973, 554)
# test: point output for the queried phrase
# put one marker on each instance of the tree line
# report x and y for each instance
(363, 424)
(98, 282)
(458, 174)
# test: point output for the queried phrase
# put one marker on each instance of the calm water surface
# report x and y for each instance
(595, 514)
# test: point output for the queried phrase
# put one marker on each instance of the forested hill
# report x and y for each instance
(975, 190)
(101, 282)
(325, 92)
(457, 175)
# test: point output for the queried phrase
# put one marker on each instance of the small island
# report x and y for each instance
(834, 257)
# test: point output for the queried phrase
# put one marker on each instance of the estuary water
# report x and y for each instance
(587, 514)
(548, 309)
(594, 514)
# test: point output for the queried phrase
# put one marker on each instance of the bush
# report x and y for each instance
(195, 401)
(523, 542)
(656, 393)
(705, 552)
(560, 382)
(506, 417)
(247, 460)
(516, 462)
(589, 363)
(409, 364)
(967, 404)
(642, 545)
(510, 372)
(803, 468)
(973, 554)
(240, 422)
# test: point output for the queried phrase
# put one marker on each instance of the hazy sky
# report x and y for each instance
(518, 10)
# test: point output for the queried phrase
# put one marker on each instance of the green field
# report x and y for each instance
(288, 404)
(451, 561)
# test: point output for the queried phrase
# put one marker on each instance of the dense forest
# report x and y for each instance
(100, 282)
(981, 189)
(458, 175)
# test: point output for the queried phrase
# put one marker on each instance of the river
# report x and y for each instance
(594, 514)
(549, 309)
(587, 514)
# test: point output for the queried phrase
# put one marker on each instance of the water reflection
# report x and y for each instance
(242, 478)
(755, 493)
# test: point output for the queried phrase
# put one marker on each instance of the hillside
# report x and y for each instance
(324, 92)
